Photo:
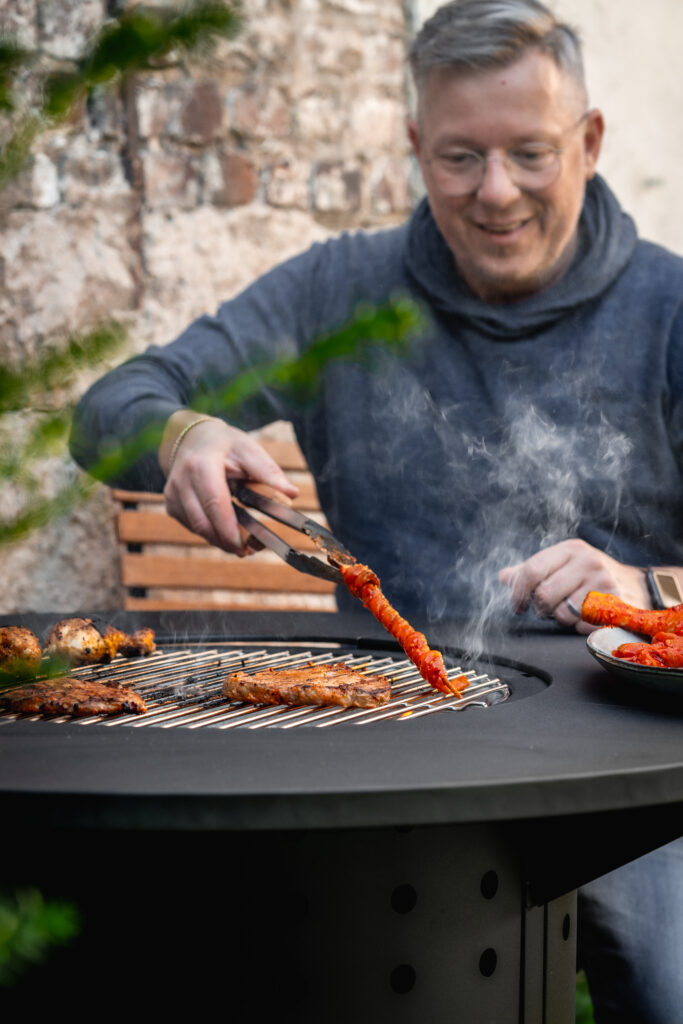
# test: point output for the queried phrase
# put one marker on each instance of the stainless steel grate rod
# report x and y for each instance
(183, 689)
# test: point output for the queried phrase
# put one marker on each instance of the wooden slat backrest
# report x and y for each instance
(164, 565)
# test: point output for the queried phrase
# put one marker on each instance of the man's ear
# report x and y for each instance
(414, 136)
(592, 140)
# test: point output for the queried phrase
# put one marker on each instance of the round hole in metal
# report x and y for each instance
(566, 927)
(488, 961)
(403, 979)
(489, 885)
(403, 899)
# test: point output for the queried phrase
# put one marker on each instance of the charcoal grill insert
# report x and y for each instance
(183, 688)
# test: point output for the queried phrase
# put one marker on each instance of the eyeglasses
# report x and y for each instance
(532, 166)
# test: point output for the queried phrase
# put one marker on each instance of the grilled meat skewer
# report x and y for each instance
(608, 610)
(364, 584)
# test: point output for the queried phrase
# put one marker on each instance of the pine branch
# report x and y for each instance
(373, 329)
(136, 41)
(29, 926)
(53, 368)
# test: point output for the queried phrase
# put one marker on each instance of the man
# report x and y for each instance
(527, 446)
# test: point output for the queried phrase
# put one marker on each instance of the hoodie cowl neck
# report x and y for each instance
(607, 239)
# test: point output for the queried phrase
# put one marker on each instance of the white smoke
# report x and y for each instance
(541, 472)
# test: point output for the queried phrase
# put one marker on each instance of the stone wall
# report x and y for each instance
(160, 200)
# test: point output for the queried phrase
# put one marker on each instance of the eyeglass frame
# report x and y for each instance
(482, 159)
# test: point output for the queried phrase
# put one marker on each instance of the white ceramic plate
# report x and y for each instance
(601, 643)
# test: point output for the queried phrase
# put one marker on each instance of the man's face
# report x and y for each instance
(508, 243)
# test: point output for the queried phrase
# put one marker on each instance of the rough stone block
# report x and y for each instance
(229, 179)
(321, 117)
(18, 20)
(171, 179)
(73, 562)
(337, 187)
(377, 123)
(90, 171)
(333, 49)
(389, 191)
(67, 27)
(199, 258)
(37, 187)
(377, 10)
(288, 184)
(202, 113)
(66, 268)
(188, 111)
(260, 110)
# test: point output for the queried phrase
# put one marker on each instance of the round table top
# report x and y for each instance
(584, 743)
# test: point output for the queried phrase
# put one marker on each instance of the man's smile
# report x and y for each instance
(504, 232)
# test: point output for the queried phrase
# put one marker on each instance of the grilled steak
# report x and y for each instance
(68, 696)
(313, 684)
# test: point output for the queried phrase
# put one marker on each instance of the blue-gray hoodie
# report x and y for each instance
(506, 428)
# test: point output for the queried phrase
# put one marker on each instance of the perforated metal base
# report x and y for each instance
(380, 926)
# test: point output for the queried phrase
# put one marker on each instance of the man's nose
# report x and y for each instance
(497, 187)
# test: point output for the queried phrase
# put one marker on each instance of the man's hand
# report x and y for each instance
(196, 491)
(566, 572)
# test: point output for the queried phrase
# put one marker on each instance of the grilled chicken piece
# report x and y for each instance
(85, 642)
(313, 684)
(20, 653)
(608, 610)
(665, 651)
(68, 696)
(364, 584)
(139, 644)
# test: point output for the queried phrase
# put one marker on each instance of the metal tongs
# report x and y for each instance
(264, 537)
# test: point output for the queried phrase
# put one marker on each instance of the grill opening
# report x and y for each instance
(182, 686)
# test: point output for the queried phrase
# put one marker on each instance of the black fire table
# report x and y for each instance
(414, 868)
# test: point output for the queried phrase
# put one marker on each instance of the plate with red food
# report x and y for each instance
(639, 645)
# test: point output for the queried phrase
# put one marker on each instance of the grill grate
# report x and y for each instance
(183, 689)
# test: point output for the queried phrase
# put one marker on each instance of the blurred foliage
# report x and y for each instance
(390, 327)
(584, 1005)
(137, 40)
(29, 926)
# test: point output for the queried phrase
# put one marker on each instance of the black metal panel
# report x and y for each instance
(371, 926)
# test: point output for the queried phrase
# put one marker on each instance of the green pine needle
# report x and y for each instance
(29, 926)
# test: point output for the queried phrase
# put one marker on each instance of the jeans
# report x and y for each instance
(630, 940)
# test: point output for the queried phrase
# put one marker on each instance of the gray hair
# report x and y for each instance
(479, 35)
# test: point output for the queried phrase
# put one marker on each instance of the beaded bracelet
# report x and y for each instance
(176, 444)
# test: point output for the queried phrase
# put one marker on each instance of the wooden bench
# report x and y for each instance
(163, 565)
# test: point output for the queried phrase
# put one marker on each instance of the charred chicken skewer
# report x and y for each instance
(341, 567)
(364, 584)
(608, 610)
